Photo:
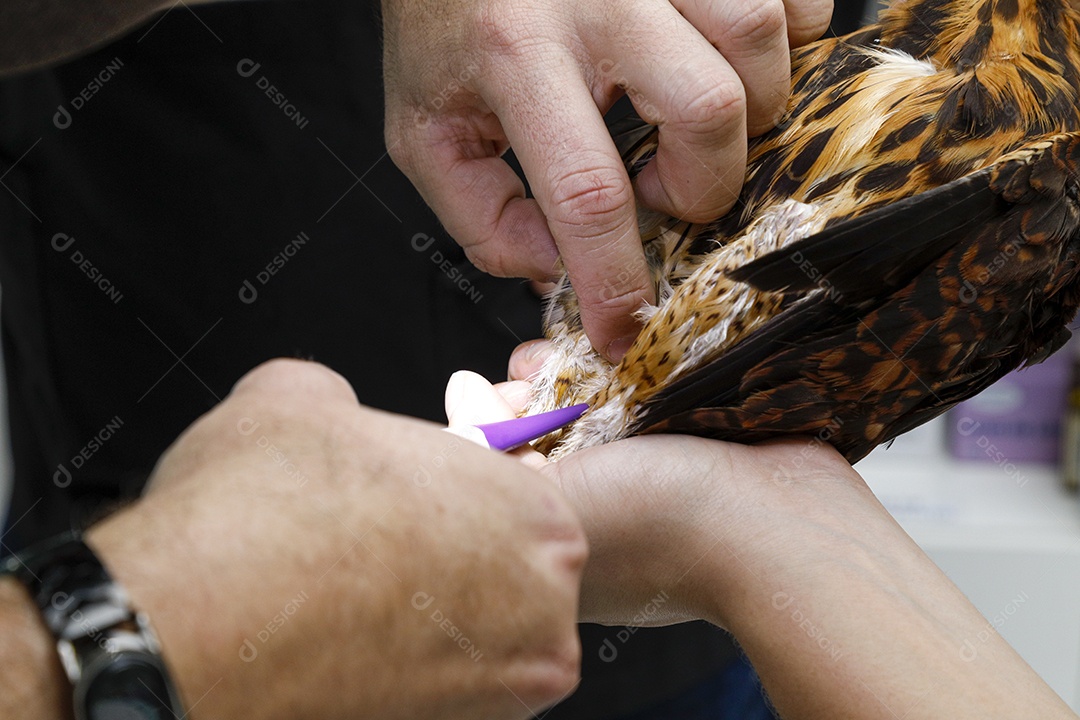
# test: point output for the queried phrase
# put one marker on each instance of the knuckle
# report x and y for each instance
(617, 19)
(483, 246)
(398, 147)
(616, 300)
(577, 550)
(615, 295)
(493, 256)
(811, 20)
(712, 109)
(287, 376)
(762, 24)
(484, 259)
(497, 31)
(593, 199)
(567, 661)
(571, 543)
(560, 672)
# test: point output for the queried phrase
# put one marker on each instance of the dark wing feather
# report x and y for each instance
(832, 253)
(923, 314)
(898, 241)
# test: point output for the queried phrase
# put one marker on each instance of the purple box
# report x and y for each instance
(1016, 419)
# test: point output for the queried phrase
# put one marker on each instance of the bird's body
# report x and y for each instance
(920, 199)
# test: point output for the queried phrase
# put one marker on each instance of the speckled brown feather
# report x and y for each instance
(888, 197)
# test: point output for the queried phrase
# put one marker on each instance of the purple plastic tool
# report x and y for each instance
(510, 434)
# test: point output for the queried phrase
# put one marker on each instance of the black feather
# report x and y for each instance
(881, 250)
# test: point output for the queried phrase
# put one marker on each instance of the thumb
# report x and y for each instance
(472, 400)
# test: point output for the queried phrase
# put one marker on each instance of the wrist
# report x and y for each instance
(840, 611)
(125, 544)
(793, 539)
(32, 682)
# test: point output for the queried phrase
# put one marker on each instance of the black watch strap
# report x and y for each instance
(62, 574)
(108, 650)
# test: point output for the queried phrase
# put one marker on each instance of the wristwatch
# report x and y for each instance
(108, 650)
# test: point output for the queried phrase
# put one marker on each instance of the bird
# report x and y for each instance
(905, 236)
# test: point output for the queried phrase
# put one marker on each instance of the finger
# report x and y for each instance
(558, 134)
(477, 196)
(753, 38)
(678, 81)
(472, 400)
(286, 377)
(807, 20)
(528, 358)
(543, 289)
(516, 393)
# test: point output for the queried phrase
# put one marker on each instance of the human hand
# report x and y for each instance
(652, 507)
(466, 79)
(655, 507)
(302, 556)
(783, 544)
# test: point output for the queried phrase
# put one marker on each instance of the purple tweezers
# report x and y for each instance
(510, 434)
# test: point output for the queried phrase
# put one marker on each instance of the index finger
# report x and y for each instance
(582, 187)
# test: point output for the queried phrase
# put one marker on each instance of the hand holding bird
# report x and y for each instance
(907, 235)
(465, 79)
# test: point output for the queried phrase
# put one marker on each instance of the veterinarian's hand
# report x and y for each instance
(465, 79)
(654, 508)
(298, 553)
(665, 515)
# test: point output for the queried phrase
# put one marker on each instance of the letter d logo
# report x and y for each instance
(248, 651)
(61, 478)
(61, 242)
(246, 426)
(966, 426)
(247, 67)
(782, 600)
(422, 241)
(62, 118)
(422, 477)
(968, 293)
(608, 651)
(248, 293)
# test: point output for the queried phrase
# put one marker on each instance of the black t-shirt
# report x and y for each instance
(212, 191)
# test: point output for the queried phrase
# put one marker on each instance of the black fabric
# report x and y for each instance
(178, 179)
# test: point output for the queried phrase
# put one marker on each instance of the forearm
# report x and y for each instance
(32, 683)
(38, 32)
(851, 619)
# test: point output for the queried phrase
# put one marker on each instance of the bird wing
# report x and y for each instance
(894, 316)
(882, 250)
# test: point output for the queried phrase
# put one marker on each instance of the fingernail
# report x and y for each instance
(517, 393)
(619, 347)
(539, 351)
(471, 433)
(528, 358)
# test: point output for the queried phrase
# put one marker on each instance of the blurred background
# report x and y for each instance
(988, 491)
